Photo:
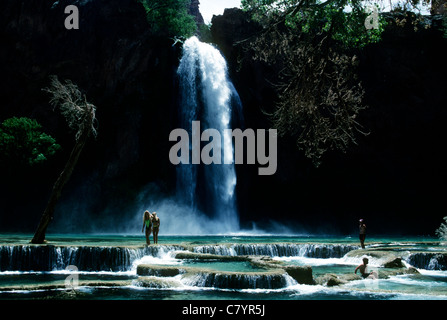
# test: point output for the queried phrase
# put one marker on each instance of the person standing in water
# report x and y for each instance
(147, 223)
(362, 233)
(362, 269)
(155, 226)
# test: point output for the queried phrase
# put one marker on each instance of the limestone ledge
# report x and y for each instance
(271, 270)
(61, 285)
(386, 263)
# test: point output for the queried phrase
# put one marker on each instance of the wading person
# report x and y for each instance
(155, 226)
(147, 223)
(362, 233)
(363, 271)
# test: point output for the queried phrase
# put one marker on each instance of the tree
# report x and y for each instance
(80, 116)
(23, 144)
(313, 43)
(441, 232)
(319, 94)
(170, 17)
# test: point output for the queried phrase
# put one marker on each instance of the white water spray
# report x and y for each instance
(206, 94)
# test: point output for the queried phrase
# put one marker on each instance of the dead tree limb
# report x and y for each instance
(80, 116)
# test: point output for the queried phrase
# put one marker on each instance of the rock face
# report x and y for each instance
(302, 275)
(195, 12)
(394, 263)
(125, 71)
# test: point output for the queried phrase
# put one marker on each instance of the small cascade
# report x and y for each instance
(220, 250)
(103, 258)
(228, 280)
(279, 250)
(428, 260)
(50, 258)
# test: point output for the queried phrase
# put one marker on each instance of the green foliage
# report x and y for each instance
(170, 17)
(262, 9)
(22, 142)
(346, 27)
(312, 44)
(319, 95)
(205, 33)
(342, 20)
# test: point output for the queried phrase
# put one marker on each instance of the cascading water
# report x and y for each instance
(206, 95)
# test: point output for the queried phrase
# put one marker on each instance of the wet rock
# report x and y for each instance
(159, 271)
(331, 279)
(201, 277)
(377, 257)
(158, 283)
(350, 277)
(60, 285)
(394, 263)
(273, 279)
(264, 262)
(386, 273)
(302, 274)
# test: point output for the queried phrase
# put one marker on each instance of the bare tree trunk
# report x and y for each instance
(39, 236)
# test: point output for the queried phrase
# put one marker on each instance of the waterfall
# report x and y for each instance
(308, 250)
(428, 260)
(85, 258)
(206, 95)
(234, 280)
(118, 258)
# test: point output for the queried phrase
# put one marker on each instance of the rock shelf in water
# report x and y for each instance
(203, 277)
(267, 273)
(61, 285)
(276, 274)
(387, 262)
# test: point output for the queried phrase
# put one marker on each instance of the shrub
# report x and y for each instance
(170, 17)
(22, 142)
